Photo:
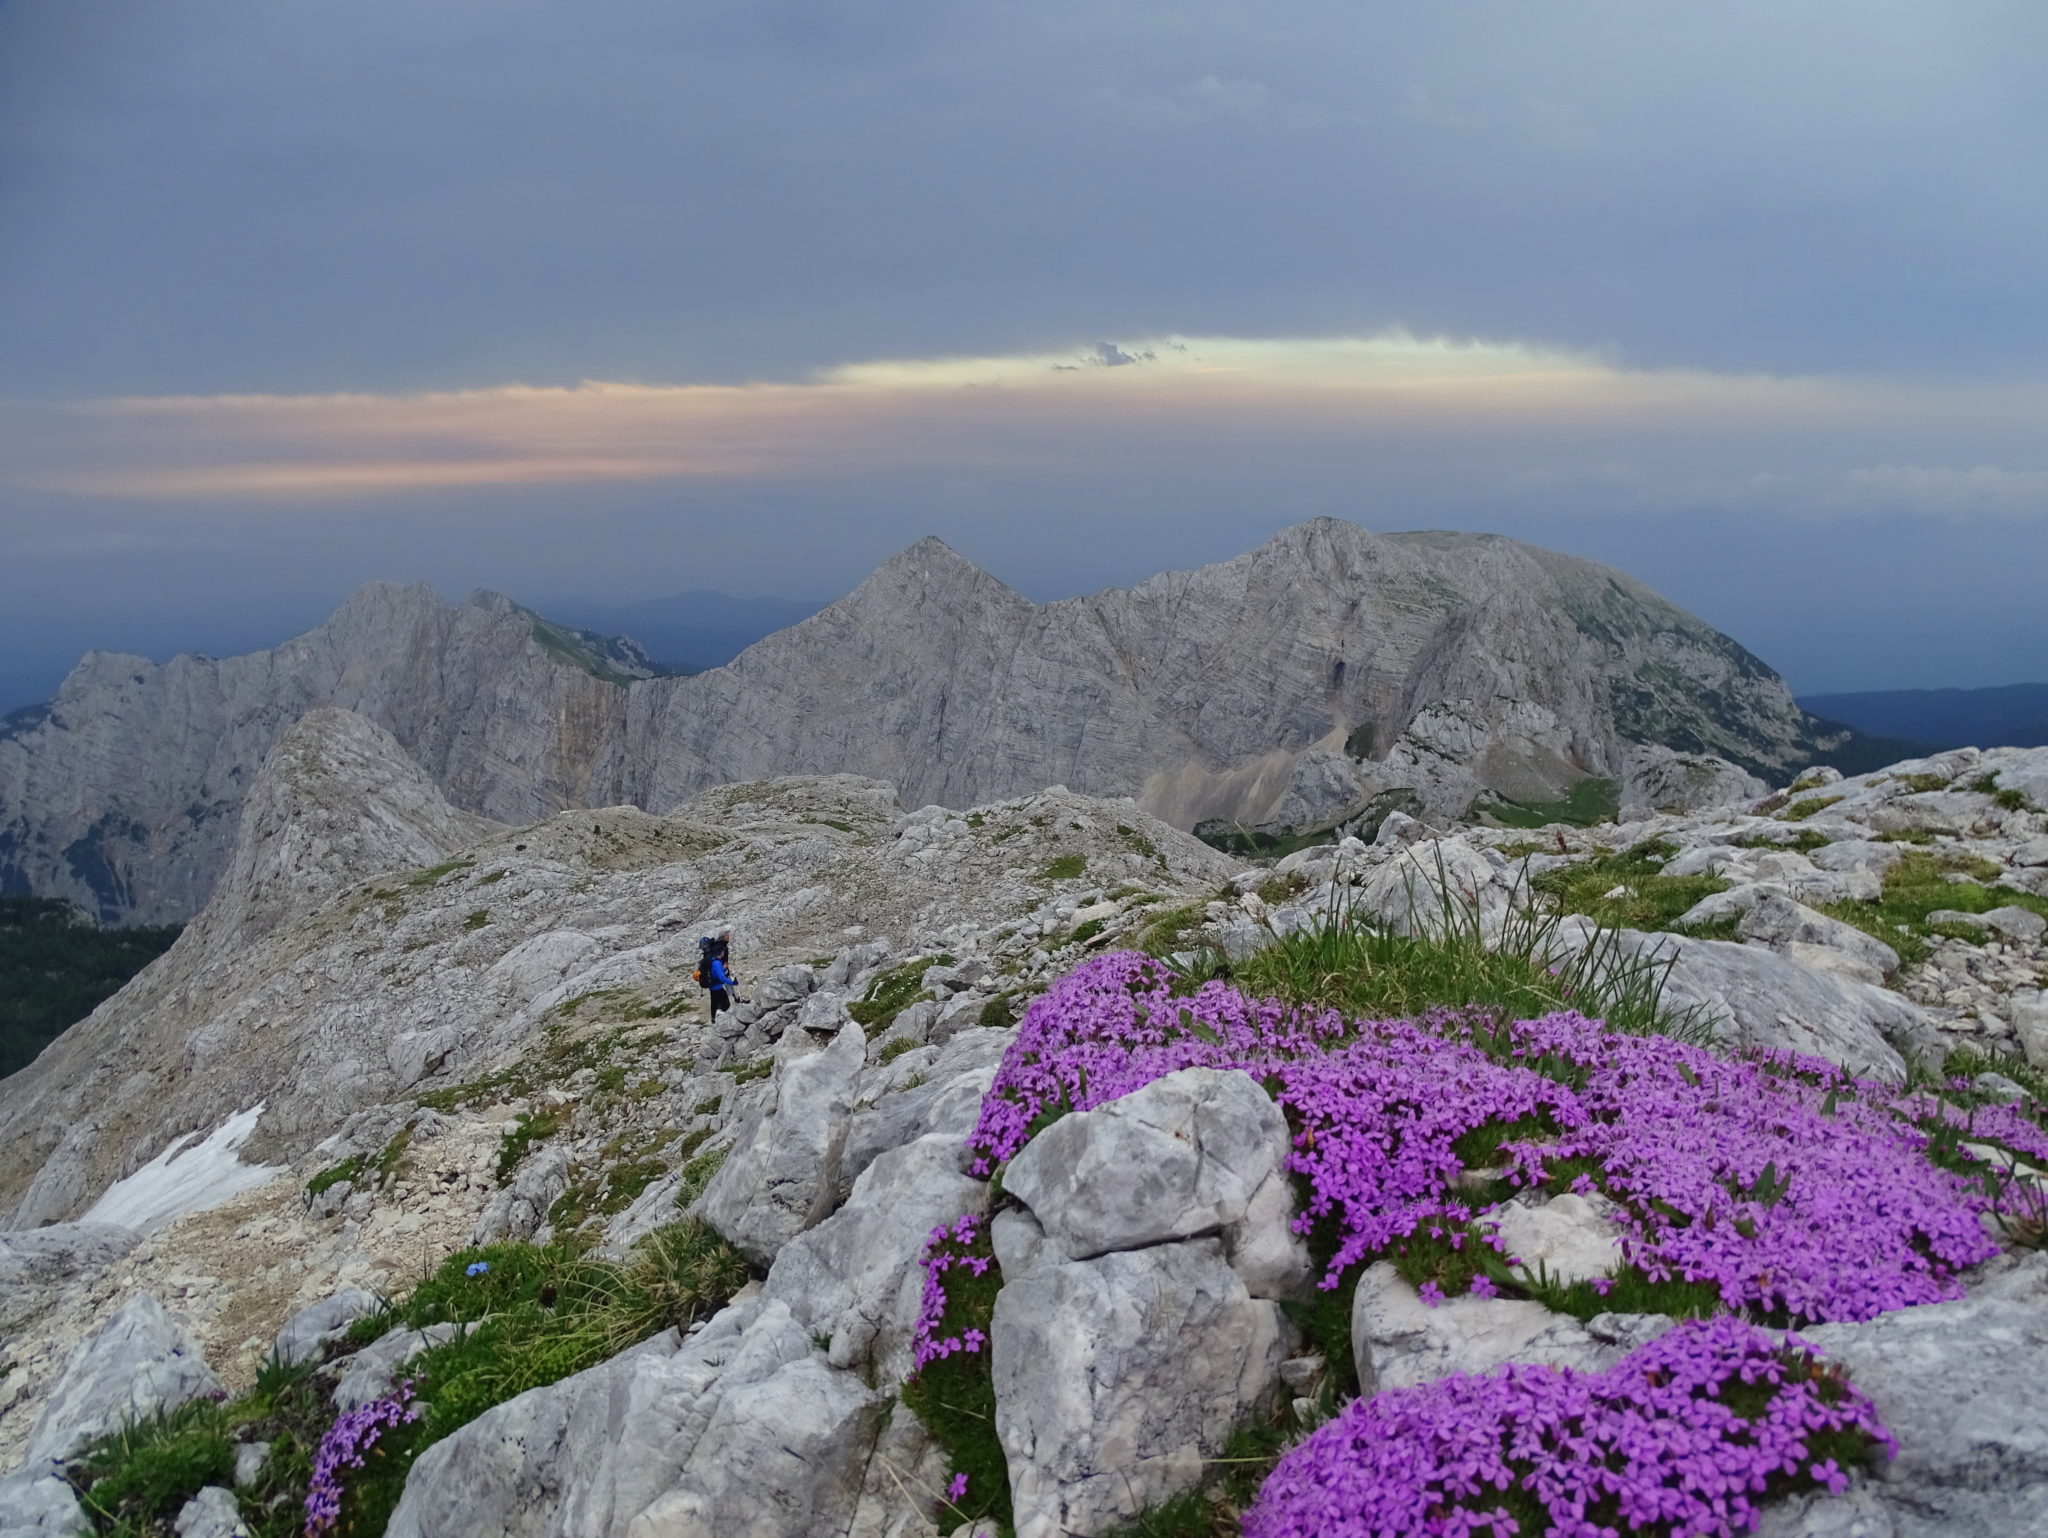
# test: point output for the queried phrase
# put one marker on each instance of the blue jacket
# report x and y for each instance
(719, 977)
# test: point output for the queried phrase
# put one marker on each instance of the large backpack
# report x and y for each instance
(702, 976)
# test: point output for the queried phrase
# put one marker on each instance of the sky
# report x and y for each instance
(614, 299)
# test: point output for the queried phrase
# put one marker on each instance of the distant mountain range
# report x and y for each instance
(686, 632)
(2011, 716)
(1301, 684)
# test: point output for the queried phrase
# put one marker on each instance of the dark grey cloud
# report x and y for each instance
(239, 194)
(386, 195)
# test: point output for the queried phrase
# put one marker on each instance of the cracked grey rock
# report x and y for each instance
(855, 1278)
(373, 1372)
(743, 1431)
(37, 1263)
(782, 1174)
(38, 1504)
(139, 1362)
(1187, 1154)
(1116, 1377)
(308, 1331)
(1777, 921)
(1398, 1341)
(1568, 1238)
(212, 1513)
(1963, 1386)
(1749, 996)
(520, 1209)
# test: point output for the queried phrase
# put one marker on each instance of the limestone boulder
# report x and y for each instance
(855, 1278)
(2028, 1012)
(139, 1362)
(308, 1331)
(37, 1263)
(1399, 1341)
(35, 1503)
(1963, 1386)
(1749, 996)
(373, 1372)
(212, 1513)
(1777, 921)
(1198, 1151)
(938, 1089)
(743, 1431)
(2015, 923)
(519, 1210)
(1411, 893)
(1569, 1238)
(1868, 855)
(782, 1173)
(1116, 1377)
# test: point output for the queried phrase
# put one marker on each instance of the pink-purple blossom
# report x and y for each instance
(960, 1245)
(1797, 1191)
(1662, 1442)
(347, 1443)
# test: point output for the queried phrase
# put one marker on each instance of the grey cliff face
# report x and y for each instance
(1288, 687)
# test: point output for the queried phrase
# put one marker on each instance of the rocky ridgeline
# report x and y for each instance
(1292, 687)
(468, 1035)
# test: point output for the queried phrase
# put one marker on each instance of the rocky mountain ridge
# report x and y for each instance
(412, 997)
(1306, 682)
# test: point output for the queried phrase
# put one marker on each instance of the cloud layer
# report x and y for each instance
(1112, 403)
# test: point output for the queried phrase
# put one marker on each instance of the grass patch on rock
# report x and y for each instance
(1650, 899)
(519, 1139)
(1917, 886)
(893, 992)
(533, 1315)
(1370, 973)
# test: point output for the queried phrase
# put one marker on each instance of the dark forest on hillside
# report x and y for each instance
(55, 966)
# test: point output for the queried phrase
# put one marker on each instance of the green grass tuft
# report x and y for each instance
(1065, 868)
(1807, 807)
(349, 1170)
(146, 1471)
(1917, 886)
(892, 993)
(1653, 900)
(519, 1139)
(1369, 973)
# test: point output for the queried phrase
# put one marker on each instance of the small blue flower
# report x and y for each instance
(478, 1268)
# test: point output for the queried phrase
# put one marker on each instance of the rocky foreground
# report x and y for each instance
(400, 1036)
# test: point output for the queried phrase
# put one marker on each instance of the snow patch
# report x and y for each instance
(181, 1179)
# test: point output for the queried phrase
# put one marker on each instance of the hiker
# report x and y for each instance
(714, 970)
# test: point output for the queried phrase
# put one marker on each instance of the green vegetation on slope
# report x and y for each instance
(1649, 899)
(1588, 802)
(56, 967)
(1918, 886)
(529, 1315)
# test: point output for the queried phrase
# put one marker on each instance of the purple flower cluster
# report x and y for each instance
(1686, 1436)
(347, 1442)
(1798, 1192)
(961, 1245)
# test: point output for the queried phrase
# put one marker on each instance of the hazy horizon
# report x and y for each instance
(33, 677)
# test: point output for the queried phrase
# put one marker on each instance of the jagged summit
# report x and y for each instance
(1295, 685)
(336, 800)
